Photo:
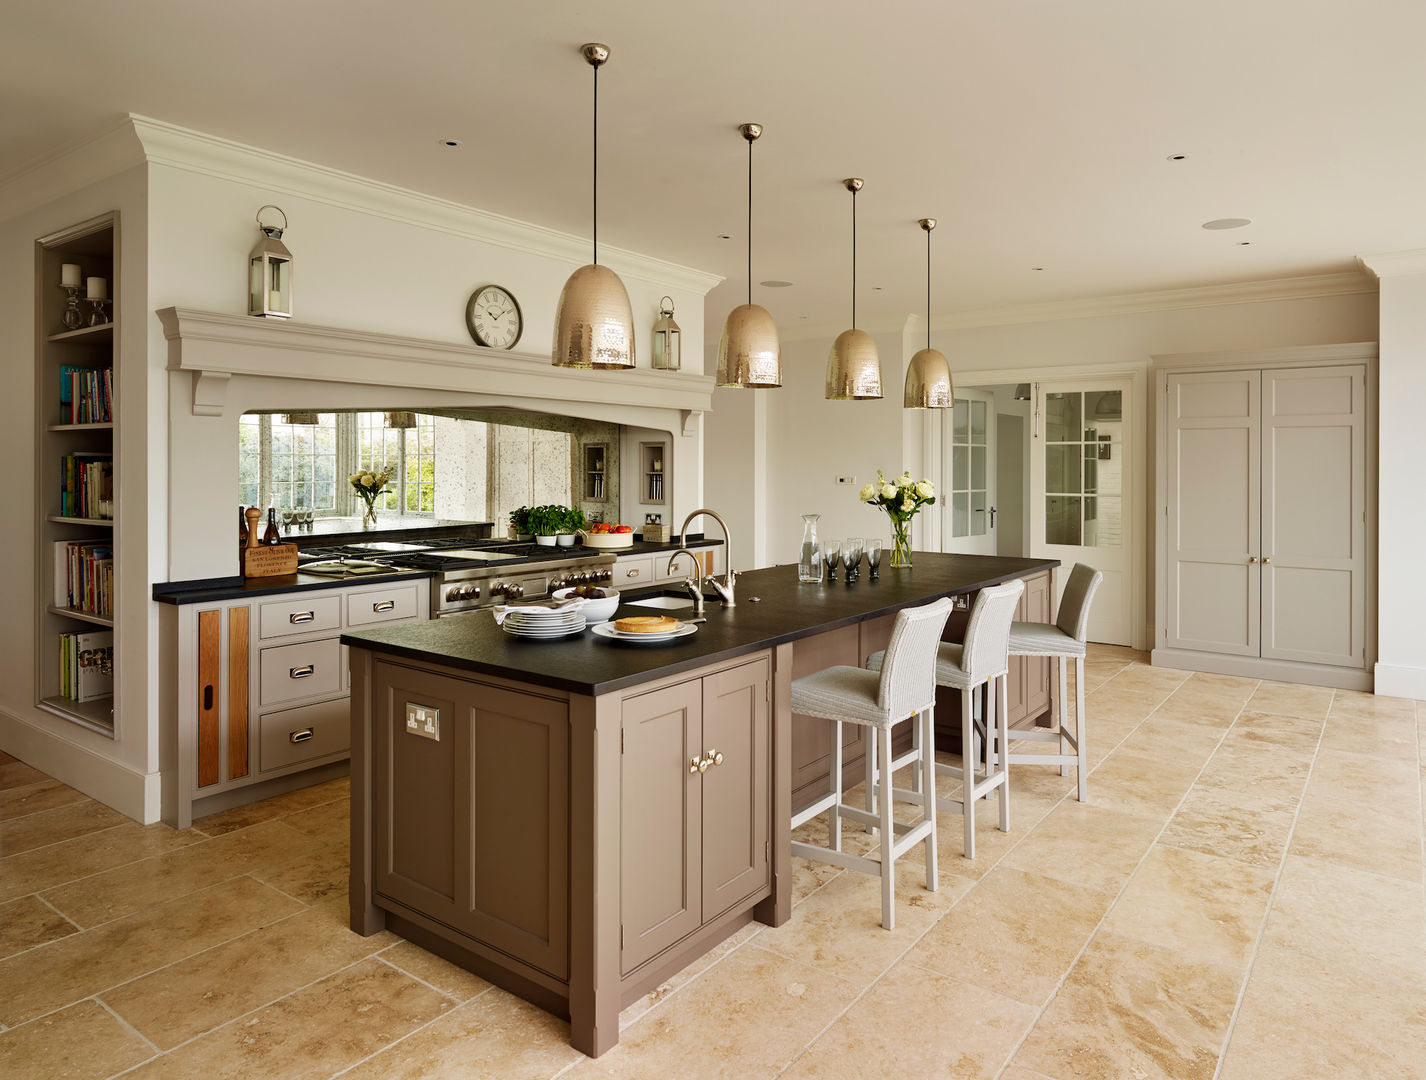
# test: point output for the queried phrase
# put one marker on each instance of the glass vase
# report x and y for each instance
(809, 562)
(900, 543)
(368, 515)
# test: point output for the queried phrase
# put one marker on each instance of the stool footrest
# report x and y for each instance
(846, 860)
(1044, 759)
(816, 809)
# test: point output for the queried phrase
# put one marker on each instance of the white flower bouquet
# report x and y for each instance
(901, 498)
(370, 486)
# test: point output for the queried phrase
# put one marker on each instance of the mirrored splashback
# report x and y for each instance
(443, 464)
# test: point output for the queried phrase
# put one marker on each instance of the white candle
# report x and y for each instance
(69, 274)
(98, 288)
(274, 301)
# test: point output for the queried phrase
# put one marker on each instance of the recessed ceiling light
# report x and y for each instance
(449, 144)
(1178, 157)
(876, 288)
(1244, 243)
(725, 236)
(1227, 223)
(1037, 268)
(775, 284)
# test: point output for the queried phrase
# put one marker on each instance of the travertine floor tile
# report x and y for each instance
(746, 1018)
(496, 1035)
(31, 799)
(241, 817)
(1206, 710)
(1216, 822)
(1131, 1009)
(317, 1031)
(630, 1013)
(1155, 681)
(1389, 782)
(329, 821)
(29, 921)
(1015, 933)
(16, 774)
(53, 865)
(1292, 699)
(1223, 686)
(1308, 1021)
(1294, 734)
(1261, 778)
(1351, 703)
(1358, 834)
(135, 886)
(975, 1032)
(313, 876)
(78, 1043)
(839, 929)
(808, 876)
(59, 824)
(1198, 905)
(455, 982)
(1110, 702)
(195, 995)
(1087, 845)
(36, 982)
(1140, 784)
(1173, 740)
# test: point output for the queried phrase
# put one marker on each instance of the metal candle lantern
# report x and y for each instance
(667, 350)
(270, 271)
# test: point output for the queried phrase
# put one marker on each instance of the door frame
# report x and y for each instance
(1359, 352)
(1138, 372)
(945, 472)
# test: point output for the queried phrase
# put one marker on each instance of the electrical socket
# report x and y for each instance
(846, 479)
(423, 720)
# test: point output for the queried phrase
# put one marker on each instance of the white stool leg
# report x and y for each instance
(926, 734)
(888, 838)
(1063, 668)
(834, 815)
(873, 773)
(1081, 751)
(1002, 716)
(968, 771)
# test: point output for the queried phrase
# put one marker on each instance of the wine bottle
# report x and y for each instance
(242, 527)
(271, 535)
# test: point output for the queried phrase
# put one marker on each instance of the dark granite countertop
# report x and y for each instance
(785, 610)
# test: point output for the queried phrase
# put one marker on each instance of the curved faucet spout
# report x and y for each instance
(725, 587)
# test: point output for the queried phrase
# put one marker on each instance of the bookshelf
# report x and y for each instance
(77, 480)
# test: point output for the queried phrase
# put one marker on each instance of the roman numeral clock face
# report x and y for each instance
(493, 318)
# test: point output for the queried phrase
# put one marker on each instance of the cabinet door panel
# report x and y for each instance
(661, 821)
(1034, 671)
(210, 662)
(735, 793)
(238, 692)
(811, 735)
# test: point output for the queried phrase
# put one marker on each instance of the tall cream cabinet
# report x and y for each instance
(1265, 522)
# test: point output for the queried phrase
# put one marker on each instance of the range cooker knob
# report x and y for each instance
(514, 592)
(606, 575)
(469, 591)
(453, 593)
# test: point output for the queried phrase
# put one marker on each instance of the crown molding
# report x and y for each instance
(1394, 263)
(73, 166)
(210, 155)
(213, 347)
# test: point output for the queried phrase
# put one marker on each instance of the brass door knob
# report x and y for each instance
(696, 765)
(1266, 560)
(1252, 558)
(715, 757)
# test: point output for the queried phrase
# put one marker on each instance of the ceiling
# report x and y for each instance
(1038, 132)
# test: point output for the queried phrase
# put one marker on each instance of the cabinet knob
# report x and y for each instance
(1266, 561)
(715, 756)
(1252, 558)
(696, 765)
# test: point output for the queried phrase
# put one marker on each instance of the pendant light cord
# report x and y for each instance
(854, 258)
(928, 288)
(750, 222)
(596, 165)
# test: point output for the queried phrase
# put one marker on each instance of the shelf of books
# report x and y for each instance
(77, 466)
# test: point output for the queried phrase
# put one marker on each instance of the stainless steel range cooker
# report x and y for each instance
(469, 574)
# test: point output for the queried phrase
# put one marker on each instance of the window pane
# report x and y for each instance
(960, 514)
(960, 468)
(1104, 522)
(977, 467)
(977, 422)
(960, 422)
(1062, 468)
(1062, 519)
(979, 519)
(1062, 417)
(1103, 407)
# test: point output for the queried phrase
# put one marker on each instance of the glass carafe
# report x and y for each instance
(809, 563)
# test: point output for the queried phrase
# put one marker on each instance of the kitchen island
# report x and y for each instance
(579, 819)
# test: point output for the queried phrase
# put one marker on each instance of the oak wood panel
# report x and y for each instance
(210, 663)
(237, 692)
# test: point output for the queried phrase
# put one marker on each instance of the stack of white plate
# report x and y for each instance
(542, 622)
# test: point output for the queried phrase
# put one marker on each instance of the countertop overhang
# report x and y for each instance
(784, 610)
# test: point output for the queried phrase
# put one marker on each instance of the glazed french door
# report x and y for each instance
(967, 492)
(1081, 495)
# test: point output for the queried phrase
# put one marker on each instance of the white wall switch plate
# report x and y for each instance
(846, 479)
(423, 720)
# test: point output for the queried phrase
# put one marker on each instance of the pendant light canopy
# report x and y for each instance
(594, 321)
(853, 367)
(749, 355)
(928, 379)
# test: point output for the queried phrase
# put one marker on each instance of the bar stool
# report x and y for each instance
(1064, 641)
(905, 688)
(981, 661)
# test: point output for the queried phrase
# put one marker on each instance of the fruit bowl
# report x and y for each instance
(606, 541)
(595, 611)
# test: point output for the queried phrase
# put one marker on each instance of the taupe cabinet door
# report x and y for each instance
(735, 793)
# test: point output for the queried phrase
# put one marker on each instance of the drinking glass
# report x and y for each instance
(831, 552)
(873, 557)
(286, 515)
(852, 557)
(306, 513)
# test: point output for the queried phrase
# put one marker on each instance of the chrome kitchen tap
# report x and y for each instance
(694, 585)
(723, 588)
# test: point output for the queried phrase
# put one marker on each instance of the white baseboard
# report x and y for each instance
(1399, 680)
(113, 783)
(1255, 667)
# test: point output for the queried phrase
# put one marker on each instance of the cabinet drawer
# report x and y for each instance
(382, 605)
(633, 572)
(305, 733)
(282, 618)
(306, 669)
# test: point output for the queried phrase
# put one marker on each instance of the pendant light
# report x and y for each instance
(853, 367)
(594, 321)
(748, 352)
(928, 379)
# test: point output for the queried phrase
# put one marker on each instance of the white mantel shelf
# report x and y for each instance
(214, 347)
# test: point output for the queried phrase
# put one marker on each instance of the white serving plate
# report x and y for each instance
(607, 630)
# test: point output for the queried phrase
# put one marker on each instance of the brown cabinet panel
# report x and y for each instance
(210, 664)
(661, 821)
(237, 692)
(735, 793)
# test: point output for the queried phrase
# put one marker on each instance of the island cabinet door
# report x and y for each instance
(736, 787)
(472, 825)
(1029, 678)
(660, 820)
(811, 735)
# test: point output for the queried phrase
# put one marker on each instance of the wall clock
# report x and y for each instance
(493, 317)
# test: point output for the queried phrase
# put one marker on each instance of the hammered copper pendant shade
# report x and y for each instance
(594, 321)
(749, 353)
(928, 378)
(853, 366)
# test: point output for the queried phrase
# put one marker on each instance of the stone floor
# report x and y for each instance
(1241, 897)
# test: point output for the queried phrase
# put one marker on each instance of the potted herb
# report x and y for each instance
(573, 522)
(520, 523)
(546, 523)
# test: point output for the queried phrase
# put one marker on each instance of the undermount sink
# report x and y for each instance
(666, 603)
